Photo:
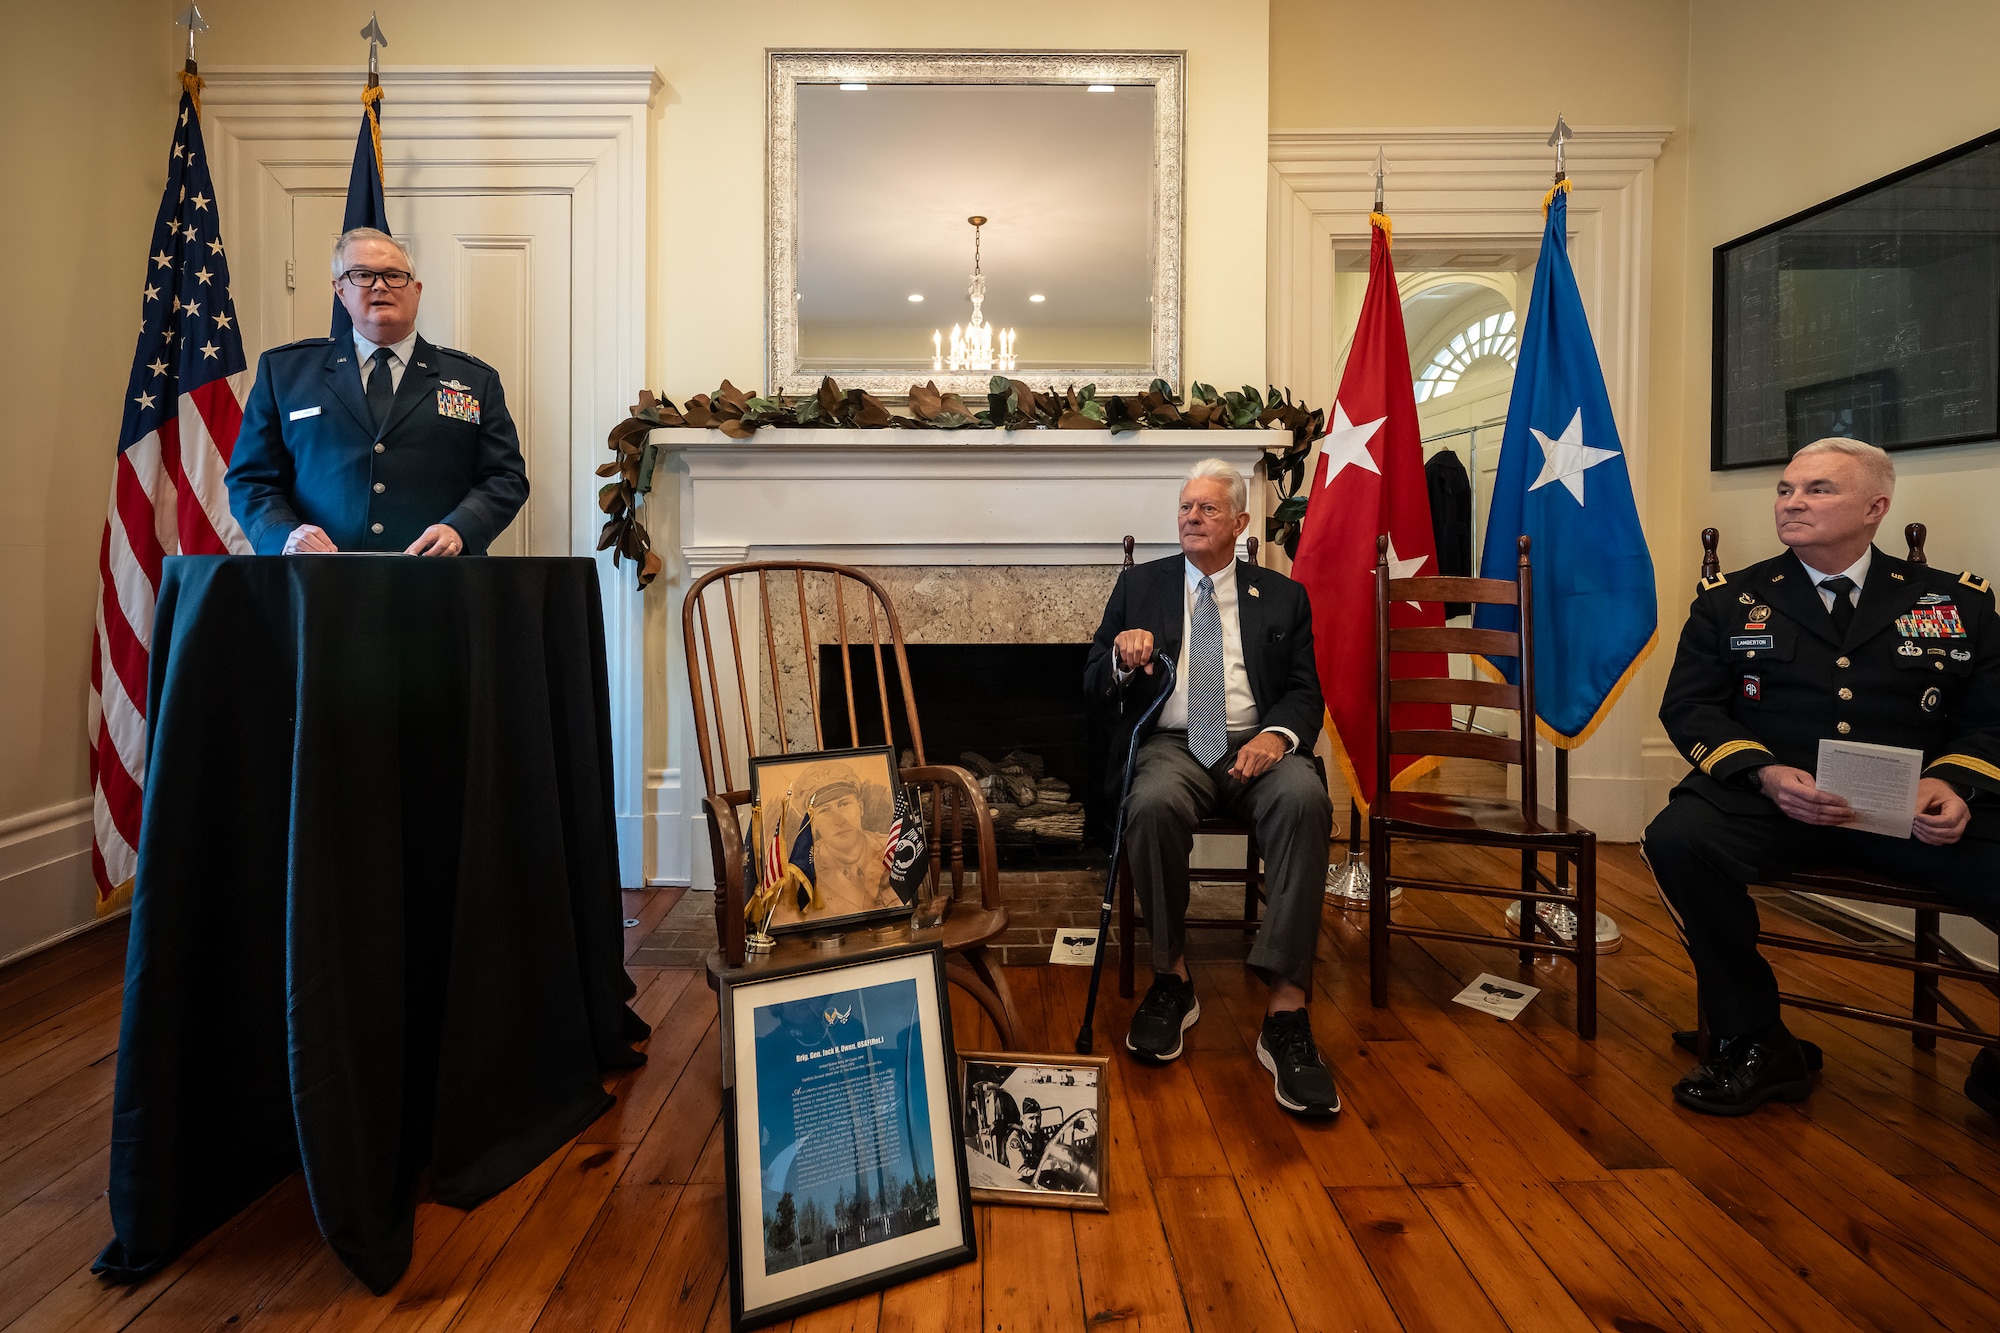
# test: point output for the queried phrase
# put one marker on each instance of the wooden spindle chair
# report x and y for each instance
(748, 703)
(1934, 958)
(1525, 826)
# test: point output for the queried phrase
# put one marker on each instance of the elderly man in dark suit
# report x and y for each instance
(1235, 734)
(387, 443)
(1833, 640)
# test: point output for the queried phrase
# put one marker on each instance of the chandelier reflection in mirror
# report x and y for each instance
(978, 345)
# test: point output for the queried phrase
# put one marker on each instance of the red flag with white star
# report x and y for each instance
(1370, 480)
(182, 408)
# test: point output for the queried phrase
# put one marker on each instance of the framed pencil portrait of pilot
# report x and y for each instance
(1031, 1128)
(825, 830)
(840, 1135)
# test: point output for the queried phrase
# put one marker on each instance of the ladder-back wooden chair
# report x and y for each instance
(1525, 826)
(753, 634)
(1934, 958)
(1250, 874)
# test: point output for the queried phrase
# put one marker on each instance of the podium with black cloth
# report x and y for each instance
(376, 926)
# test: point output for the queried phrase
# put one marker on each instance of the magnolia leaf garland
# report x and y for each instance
(1010, 405)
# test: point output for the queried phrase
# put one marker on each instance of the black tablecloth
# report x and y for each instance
(376, 925)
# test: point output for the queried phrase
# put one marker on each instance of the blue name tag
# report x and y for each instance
(1739, 642)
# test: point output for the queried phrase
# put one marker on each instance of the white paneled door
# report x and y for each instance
(496, 274)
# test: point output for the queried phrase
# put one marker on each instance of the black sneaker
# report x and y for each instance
(1168, 1010)
(1301, 1077)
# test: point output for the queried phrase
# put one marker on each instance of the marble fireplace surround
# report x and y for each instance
(977, 536)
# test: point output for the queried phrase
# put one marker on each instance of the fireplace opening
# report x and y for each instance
(1011, 713)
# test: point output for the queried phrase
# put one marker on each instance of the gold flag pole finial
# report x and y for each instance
(192, 20)
(1378, 218)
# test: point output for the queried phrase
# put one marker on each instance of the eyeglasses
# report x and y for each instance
(364, 278)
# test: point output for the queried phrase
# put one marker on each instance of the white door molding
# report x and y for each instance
(578, 131)
(1480, 188)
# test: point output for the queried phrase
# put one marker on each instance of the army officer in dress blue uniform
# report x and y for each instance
(1834, 640)
(386, 443)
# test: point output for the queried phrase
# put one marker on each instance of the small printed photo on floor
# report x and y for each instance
(1031, 1128)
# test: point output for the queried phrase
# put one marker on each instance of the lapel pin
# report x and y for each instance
(1254, 592)
(1894, 575)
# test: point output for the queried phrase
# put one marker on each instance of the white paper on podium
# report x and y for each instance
(1879, 781)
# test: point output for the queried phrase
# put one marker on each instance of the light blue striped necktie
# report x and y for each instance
(1208, 733)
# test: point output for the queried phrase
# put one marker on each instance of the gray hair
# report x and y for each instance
(1880, 467)
(1215, 469)
(353, 234)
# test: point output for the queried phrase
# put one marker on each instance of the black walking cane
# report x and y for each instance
(1117, 844)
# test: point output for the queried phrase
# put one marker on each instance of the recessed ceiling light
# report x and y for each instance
(916, 296)
(1038, 297)
(854, 87)
(1102, 88)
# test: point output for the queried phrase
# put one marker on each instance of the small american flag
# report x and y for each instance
(182, 410)
(895, 835)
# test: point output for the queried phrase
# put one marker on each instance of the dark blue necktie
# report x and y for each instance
(381, 388)
(1208, 732)
(1842, 609)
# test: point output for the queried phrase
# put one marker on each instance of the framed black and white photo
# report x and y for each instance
(839, 1134)
(1032, 1128)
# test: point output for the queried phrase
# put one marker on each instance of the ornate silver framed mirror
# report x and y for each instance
(950, 216)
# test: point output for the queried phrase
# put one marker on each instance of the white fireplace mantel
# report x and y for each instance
(897, 497)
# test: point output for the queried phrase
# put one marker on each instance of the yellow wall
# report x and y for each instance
(1792, 104)
(707, 261)
(90, 95)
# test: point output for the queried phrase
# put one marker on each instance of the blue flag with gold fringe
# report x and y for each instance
(1563, 482)
(366, 206)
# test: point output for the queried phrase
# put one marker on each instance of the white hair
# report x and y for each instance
(353, 234)
(1880, 467)
(1215, 469)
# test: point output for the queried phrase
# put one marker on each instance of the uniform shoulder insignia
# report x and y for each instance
(305, 342)
(1974, 582)
(465, 356)
(1710, 585)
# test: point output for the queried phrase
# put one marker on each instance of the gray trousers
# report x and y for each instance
(1289, 808)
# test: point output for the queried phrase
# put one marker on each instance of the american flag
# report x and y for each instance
(182, 409)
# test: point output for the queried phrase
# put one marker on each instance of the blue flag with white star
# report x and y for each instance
(1563, 483)
(365, 204)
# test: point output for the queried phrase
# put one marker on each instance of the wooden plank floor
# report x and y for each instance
(1484, 1175)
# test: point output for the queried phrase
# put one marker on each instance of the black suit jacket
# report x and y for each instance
(1760, 677)
(1276, 623)
(307, 451)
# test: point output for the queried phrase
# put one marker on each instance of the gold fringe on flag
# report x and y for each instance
(1550, 197)
(191, 84)
(370, 96)
(1388, 233)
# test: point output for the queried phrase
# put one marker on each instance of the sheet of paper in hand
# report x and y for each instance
(1497, 995)
(1879, 781)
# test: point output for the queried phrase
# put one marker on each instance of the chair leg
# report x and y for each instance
(1923, 1001)
(1528, 906)
(1008, 1018)
(1128, 946)
(999, 1005)
(1378, 912)
(1586, 939)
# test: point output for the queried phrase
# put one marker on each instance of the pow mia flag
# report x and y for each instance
(907, 847)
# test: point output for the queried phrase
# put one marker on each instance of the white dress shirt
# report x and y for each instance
(1240, 705)
(399, 357)
(1858, 571)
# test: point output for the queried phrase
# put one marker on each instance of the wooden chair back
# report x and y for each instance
(1519, 749)
(1914, 535)
(752, 634)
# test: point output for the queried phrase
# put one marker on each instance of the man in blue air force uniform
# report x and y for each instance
(1833, 640)
(387, 443)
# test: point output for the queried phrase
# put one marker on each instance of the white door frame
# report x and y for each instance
(1482, 188)
(273, 131)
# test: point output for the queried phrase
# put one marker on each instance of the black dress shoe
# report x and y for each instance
(1690, 1041)
(1745, 1073)
(1983, 1083)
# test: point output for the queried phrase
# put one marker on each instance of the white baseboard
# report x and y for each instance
(46, 889)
